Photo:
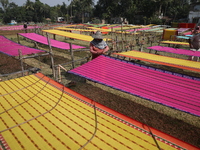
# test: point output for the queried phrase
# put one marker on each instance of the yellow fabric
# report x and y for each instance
(164, 59)
(35, 123)
(72, 35)
(167, 34)
(175, 42)
(73, 29)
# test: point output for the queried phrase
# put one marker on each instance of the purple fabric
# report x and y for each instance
(175, 50)
(167, 89)
(54, 43)
(11, 48)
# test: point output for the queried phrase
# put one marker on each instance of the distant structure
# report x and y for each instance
(194, 13)
(60, 20)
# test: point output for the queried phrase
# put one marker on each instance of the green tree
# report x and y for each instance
(82, 9)
(4, 4)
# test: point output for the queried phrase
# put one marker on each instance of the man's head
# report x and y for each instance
(196, 30)
(97, 35)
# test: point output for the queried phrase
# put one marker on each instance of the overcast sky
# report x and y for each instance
(49, 2)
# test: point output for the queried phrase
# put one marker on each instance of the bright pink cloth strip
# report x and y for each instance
(54, 43)
(141, 29)
(188, 33)
(167, 89)
(175, 50)
(18, 27)
(11, 48)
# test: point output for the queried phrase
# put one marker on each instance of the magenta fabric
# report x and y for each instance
(140, 29)
(188, 33)
(180, 30)
(54, 43)
(11, 48)
(175, 50)
(164, 88)
(18, 27)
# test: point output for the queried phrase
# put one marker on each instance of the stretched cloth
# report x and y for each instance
(163, 60)
(154, 29)
(170, 90)
(168, 34)
(138, 29)
(11, 48)
(183, 37)
(74, 29)
(39, 113)
(175, 50)
(18, 27)
(175, 42)
(54, 43)
(71, 35)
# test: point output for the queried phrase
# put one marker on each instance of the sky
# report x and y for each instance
(49, 2)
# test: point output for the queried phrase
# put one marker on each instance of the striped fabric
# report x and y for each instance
(71, 35)
(175, 50)
(163, 88)
(11, 48)
(163, 60)
(54, 43)
(38, 113)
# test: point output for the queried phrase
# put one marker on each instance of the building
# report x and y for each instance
(194, 13)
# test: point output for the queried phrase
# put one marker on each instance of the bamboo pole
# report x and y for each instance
(51, 55)
(21, 61)
(59, 75)
(122, 37)
(72, 55)
(18, 38)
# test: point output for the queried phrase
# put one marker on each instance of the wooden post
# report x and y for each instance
(72, 55)
(18, 38)
(21, 61)
(122, 37)
(51, 55)
(59, 74)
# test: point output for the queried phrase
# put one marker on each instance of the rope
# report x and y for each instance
(152, 135)
(26, 100)
(96, 124)
(36, 116)
(22, 88)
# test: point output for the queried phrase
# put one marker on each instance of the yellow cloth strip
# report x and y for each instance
(164, 59)
(175, 42)
(68, 126)
(72, 35)
(73, 29)
(109, 30)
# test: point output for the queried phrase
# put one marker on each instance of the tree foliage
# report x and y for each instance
(135, 11)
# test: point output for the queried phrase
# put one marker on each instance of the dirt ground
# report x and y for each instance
(151, 117)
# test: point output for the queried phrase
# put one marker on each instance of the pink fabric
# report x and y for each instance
(188, 33)
(182, 29)
(54, 43)
(138, 29)
(11, 48)
(167, 89)
(17, 27)
(175, 50)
